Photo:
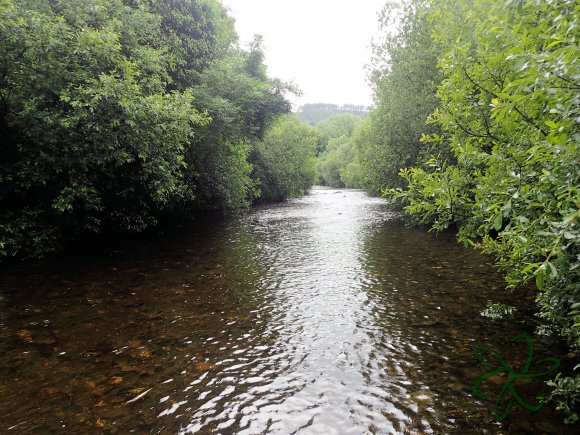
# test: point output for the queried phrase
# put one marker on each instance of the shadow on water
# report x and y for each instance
(319, 315)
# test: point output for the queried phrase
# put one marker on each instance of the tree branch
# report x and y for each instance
(493, 94)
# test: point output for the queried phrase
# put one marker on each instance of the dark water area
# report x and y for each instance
(322, 315)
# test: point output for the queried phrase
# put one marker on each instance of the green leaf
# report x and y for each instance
(552, 271)
(497, 223)
(540, 275)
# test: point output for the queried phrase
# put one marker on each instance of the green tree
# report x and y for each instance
(284, 162)
(509, 112)
(91, 137)
(241, 105)
(404, 77)
(118, 115)
(336, 149)
(196, 33)
(340, 152)
(335, 126)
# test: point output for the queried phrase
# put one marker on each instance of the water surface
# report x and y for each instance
(321, 315)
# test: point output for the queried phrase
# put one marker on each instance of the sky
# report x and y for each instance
(320, 45)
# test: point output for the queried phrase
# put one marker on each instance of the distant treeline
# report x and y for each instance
(314, 113)
(333, 107)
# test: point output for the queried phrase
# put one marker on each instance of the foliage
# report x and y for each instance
(566, 395)
(242, 102)
(284, 161)
(116, 115)
(351, 174)
(332, 163)
(336, 150)
(92, 138)
(333, 127)
(509, 114)
(196, 33)
(404, 78)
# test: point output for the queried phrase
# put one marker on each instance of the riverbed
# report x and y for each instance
(320, 315)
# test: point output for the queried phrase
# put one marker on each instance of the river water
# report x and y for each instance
(321, 315)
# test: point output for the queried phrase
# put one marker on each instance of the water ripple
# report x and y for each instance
(319, 315)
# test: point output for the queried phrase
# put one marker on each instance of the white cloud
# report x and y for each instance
(321, 45)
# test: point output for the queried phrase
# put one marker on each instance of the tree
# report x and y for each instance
(284, 162)
(404, 77)
(119, 115)
(91, 137)
(196, 33)
(339, 153)
(335, 126)
(336, 149)
(241, 106)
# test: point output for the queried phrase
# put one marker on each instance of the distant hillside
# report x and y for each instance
(314, 113)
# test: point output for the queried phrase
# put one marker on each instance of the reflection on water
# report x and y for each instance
(320, 315)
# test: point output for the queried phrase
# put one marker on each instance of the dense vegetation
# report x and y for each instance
(284, 161)
(404, 77)
(337, 151)
(118, 115)
(477, 110)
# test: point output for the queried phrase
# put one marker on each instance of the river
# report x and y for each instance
(321, 315)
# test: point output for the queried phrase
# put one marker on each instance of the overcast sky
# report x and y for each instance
(321, 45)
